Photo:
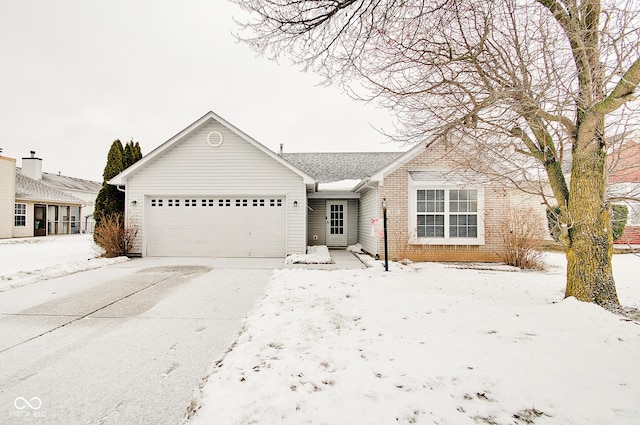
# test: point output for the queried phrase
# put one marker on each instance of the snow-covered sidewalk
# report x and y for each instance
(28, 260)
(433, 344)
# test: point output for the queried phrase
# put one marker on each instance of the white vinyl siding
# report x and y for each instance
(235, 169)
(318, 221)
(368, 210)
(352, 221)
(7, 196)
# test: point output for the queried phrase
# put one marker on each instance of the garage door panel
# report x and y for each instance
(236, 226)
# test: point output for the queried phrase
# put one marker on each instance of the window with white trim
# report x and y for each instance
(446, 215)
(20, 218)
(463, 213)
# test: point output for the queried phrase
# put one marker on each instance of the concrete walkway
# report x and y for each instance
(342, 260)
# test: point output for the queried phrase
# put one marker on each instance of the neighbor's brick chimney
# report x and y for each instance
(32, 166)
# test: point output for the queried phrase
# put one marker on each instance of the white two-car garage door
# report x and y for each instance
(230, 226)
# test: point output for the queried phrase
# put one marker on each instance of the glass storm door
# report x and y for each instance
(336, 223)
(39, 220)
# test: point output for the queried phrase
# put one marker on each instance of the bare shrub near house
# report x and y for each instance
(114, 236)
(522, 239)
(399, 249)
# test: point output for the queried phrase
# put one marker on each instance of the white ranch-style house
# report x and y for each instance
(212, 190)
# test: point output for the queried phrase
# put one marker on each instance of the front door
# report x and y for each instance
(39, 220)
(336, 223)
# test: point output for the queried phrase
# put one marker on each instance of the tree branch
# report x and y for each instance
(623, 91)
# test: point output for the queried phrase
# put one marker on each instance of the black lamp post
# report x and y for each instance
(384, 223)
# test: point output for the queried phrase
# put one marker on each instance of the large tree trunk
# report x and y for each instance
(590, 250)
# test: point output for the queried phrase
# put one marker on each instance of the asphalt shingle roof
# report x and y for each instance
(71, 183)
(327, 167)
(38, 190)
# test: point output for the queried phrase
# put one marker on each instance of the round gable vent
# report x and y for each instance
(215, 139)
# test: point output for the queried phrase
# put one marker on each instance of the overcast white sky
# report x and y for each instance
(76, 75)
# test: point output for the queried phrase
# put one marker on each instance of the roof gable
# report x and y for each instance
(121, 178)
(399, 161)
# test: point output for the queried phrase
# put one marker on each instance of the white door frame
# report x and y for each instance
(336, 228)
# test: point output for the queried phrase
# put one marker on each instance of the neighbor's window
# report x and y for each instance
(447, 214)
(20, 215)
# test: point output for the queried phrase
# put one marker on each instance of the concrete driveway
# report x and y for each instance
(124, 344)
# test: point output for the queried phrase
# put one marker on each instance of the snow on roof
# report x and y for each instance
(37, 190)
(339, 185)
(329, 167)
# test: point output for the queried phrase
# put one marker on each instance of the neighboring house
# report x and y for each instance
(86, 190)
(7, 195)
(211, 190)
(624, 184)
(40, 204)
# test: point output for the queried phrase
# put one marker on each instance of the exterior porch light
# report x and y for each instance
(384, 220)
(295, 203)
(134, 203)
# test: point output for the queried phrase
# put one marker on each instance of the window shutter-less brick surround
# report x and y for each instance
(396, 191)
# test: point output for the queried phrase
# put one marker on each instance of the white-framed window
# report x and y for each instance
(20, 217)
(442, 214)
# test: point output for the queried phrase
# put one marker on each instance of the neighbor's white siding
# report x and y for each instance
(27, 229)
(193, 168)
(368, 211)
(7, 195)
(89, 198)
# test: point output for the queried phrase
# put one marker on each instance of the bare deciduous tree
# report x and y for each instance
(524, 86)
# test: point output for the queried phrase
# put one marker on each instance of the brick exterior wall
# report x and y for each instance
(395, 190)
(630, 236)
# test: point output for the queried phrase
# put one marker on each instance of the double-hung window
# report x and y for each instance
(20, 215)
(446, 215)
(431, 212)
(463, 213)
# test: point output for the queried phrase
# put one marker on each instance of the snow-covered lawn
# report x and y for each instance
(430, 344)
(425, 343)
(28, 260)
